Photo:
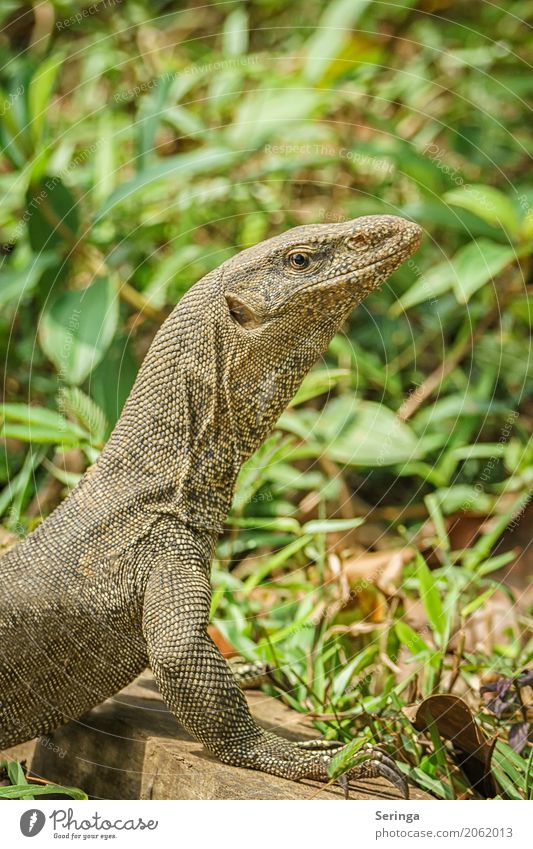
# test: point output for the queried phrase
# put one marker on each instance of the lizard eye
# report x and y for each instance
(299, 260)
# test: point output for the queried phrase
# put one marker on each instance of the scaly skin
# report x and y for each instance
(118, 576)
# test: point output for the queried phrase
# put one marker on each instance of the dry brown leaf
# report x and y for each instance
(455, 722)
(382, 568)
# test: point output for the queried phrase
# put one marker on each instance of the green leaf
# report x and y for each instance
(177, 168)
(235, 33)
(15, 492)
(477, 263)
(429, 286)
(438, 788)
(28, 791)
(359, 662)
(318, 382)
(482, 548)
(53, 214)
(477, 602)
(38, 417)
(39, 425)
(430, 598)
(472, 266)
(18, 284)
(14, 771)
(275, 561)
(331, 526)
(330, 35)
(347, 756)
(39, 95)
(149, 118)
(489, 204)
(285, 524)
(353, 432)
(111, 381)
(104, 164)
(409, 638)
(40, 435)
(263, 113)
(77, 328)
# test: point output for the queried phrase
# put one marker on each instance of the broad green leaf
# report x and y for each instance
(456, 406)
(353, 432)
(53, 214)
(105, 159)
(15, 773)
(472, 266)
(488, 203)
(39, 417)
(19, 283)
(111, 381)
(477, 263)
(429, 286)
(318, 382)
(77, 328)
(39, 435)
(462, 497)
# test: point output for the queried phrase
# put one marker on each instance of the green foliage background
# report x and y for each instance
(143, 144)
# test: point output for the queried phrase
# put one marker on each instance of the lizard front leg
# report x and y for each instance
(199, 688)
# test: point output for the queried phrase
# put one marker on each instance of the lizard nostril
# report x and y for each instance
(359, 241)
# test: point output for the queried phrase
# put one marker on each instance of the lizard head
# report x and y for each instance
(314, 272)
(284, 299)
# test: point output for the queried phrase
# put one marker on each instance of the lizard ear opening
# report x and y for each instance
(242, 313)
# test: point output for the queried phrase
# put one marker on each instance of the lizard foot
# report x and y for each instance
(378, 764)
(311, 760)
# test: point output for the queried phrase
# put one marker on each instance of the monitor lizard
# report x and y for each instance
(118, 575)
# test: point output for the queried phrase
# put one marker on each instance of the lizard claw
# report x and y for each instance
(379, 765)
(345, 784)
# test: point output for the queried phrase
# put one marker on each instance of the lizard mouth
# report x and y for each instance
(385, 265)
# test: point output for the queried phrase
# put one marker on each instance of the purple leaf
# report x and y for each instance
(518, 734)
(525, 678)
(498, 706)
(503, 686)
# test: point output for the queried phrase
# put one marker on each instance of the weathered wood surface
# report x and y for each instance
(131, 747)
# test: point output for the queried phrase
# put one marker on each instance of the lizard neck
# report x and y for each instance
(174, 448)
